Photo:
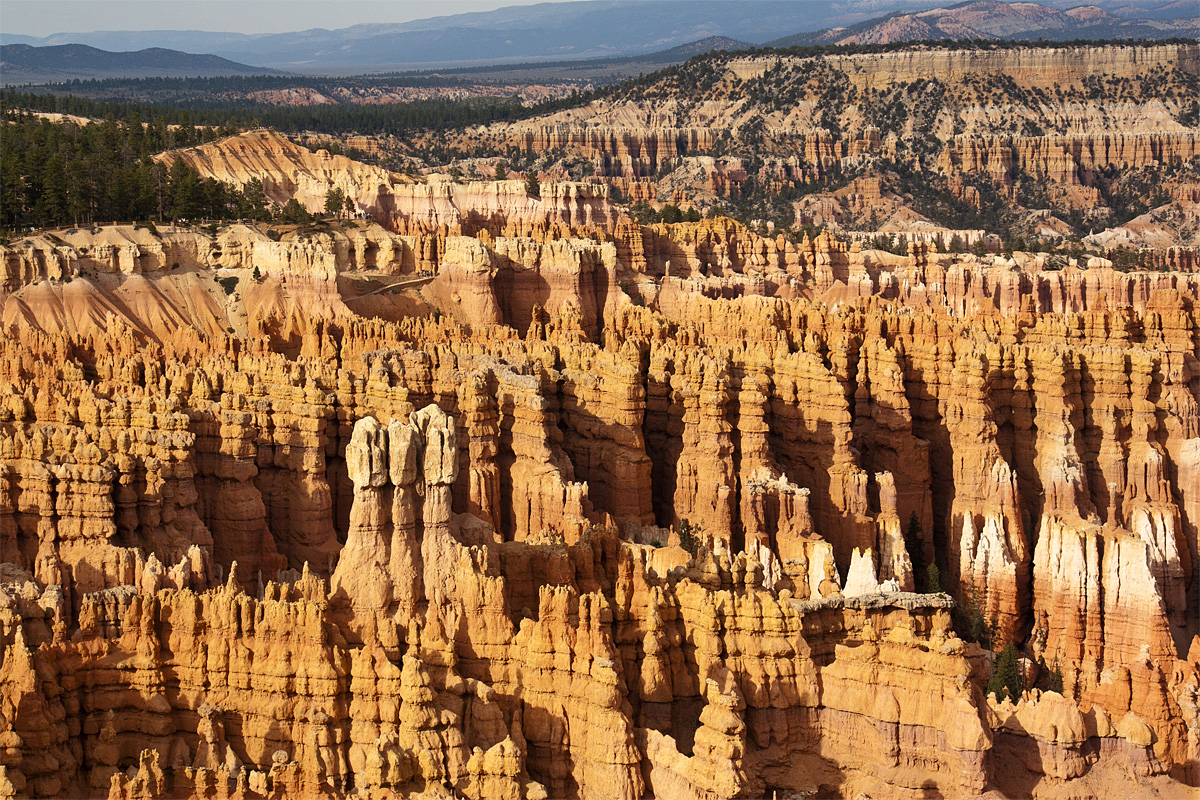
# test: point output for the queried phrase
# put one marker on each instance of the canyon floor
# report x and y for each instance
(493, 491)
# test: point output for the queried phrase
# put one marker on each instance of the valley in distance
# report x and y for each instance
(722, 409)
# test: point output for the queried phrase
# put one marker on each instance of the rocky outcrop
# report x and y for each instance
(1072, 160)
(286, 169)
(404, 204)
(1038, 66)
(622, 152)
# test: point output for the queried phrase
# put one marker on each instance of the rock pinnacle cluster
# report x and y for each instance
(503, 496)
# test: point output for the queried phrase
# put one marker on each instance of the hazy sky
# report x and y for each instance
(43, 17)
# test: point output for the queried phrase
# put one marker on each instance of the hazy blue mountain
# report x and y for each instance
(592, 29)
(23, 63)
(119, 41)
(17, 38)
(603, 28)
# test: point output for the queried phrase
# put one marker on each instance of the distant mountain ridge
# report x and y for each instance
(997, 21)
(700, 47)
(598, 29)
(23, 63)
(553, 31)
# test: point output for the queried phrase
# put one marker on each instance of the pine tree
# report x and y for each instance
(185, 191)
(933, 579)
(532, 187)
(253, 201)
(161, 177)
(1056, 678)
(501, 172)
(51, 206)
(293, 213)
(1006, 675)
(916, 551)
(969, 618)
(334, 201)
(80, 193)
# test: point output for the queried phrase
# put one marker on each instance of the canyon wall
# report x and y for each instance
(1059, 129)
(1072, 159)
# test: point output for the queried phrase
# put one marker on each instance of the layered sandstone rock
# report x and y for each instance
(448, 555)
(1071, 160)
(290, 171)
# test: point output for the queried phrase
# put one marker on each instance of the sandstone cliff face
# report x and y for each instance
(1072, 160)
(631, 152)
(404, 204)
(1053, 129)
(352, 554)
(1036, 66)
(287, 169)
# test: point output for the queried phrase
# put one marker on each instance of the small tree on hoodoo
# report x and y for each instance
(688, 535)
(915, 546)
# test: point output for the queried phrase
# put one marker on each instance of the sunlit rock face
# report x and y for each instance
(590, 510)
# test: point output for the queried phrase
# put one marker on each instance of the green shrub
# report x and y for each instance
(294, 213)
(689, 536)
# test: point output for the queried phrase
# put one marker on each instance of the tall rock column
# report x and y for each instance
(1149, 504)
(397, 545)
(404, 561)
(363, 575)
(894, 561)
(477, 403)
(987, 538)
(1068, 628)
(439, 471)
